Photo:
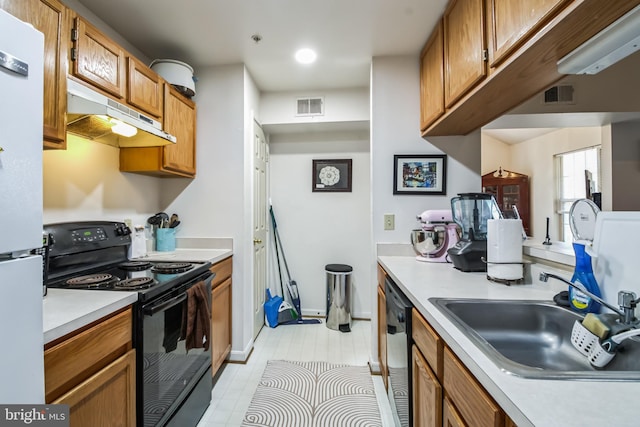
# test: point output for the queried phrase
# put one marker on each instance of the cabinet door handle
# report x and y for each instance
(257, 241)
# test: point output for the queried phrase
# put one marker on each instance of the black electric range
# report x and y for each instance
(173, 359)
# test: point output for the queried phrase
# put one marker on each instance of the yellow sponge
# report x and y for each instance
(594, 324)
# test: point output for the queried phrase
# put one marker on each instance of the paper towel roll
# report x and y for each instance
(504, 245)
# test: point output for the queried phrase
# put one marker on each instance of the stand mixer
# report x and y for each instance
(439, 233)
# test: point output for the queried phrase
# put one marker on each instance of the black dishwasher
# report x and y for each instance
(399, 341)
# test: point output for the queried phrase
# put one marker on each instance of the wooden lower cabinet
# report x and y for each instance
(220, 324)
(221, 300)
(382, 336)
(450, 417)
(93, 371)
(382, 328)
(427, 393)
(468, 396)
(106, 399)
(444, 391)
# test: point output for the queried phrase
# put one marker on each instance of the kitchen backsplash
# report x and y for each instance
(84, 182)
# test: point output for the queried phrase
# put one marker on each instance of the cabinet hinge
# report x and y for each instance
(74, 35)
(485, 55)
(74, 55)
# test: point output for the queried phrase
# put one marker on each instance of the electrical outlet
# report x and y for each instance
(389, 221)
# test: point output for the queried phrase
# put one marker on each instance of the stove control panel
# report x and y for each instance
(74, 238)
(87, 235)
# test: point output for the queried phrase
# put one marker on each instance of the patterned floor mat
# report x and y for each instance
(313, 394)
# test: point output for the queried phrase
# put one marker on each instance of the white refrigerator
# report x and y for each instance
(21, 301)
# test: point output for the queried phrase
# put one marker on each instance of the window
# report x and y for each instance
(578, 177)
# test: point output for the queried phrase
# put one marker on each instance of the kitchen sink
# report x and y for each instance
(532, 339)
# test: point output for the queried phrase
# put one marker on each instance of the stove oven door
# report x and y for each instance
(176, 378)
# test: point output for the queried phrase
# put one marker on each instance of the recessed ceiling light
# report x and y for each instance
(305, 56)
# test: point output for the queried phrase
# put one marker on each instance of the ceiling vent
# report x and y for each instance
(562, 94)
(310, 106)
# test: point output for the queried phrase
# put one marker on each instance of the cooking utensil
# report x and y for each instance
(174, 221)
(163, 220)
(153, 220)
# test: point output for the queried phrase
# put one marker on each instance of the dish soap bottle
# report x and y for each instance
(583, 273)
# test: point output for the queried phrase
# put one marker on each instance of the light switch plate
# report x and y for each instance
(389, 221)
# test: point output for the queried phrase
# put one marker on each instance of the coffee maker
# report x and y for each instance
(471, 212)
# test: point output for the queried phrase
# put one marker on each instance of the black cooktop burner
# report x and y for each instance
(135, 283)
(135, 265)
(171, 267)
(92, 281)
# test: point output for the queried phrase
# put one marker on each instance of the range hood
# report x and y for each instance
(96, 117)
(614, 43)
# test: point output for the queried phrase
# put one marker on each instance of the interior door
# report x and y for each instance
(260, 158)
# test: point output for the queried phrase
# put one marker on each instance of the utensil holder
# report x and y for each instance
(583, 339)
(165, 239)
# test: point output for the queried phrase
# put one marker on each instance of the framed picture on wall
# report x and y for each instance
(331, 175)
(420, 174)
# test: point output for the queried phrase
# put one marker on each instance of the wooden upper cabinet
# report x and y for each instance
(180, 121)
(512, 22)
(432, 79)
(464, 48)
(51, 18)
(97, 59)
(144, 88)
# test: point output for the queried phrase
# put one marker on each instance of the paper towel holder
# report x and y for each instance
(508, 282)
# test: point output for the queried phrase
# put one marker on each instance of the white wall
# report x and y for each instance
(339, 106)
(395, 124)
(614, 89)
(319, 228)
(84, 182)
(625, 166)
(535, 159)
(214, 203)
(495, 154)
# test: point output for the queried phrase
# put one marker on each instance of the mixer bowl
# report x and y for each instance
(428, 242)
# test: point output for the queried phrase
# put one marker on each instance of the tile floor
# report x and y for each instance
(234, 389)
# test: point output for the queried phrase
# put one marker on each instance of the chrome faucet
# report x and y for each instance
(627, 300)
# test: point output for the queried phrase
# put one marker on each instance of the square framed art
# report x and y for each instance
(420, 174)
(332, 175)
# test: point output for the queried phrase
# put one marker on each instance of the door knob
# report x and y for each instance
(257, 241)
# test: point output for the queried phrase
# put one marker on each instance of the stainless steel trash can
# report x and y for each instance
(339, 297)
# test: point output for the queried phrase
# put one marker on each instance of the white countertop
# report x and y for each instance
(526, 401)
(65, 310)
(211, 255)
